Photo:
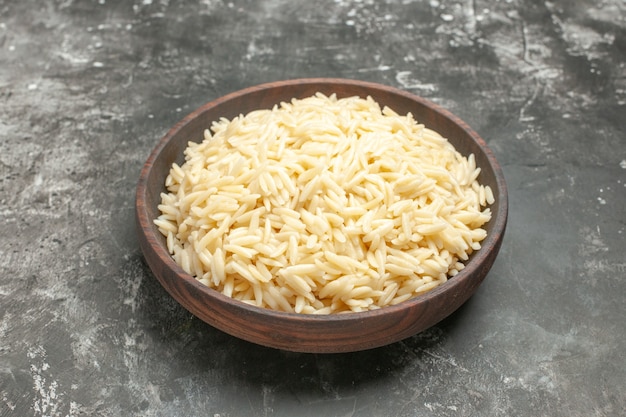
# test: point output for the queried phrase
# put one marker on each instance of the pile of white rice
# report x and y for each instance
(323, 205)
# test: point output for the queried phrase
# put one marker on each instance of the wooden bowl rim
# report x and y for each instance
(491, 242)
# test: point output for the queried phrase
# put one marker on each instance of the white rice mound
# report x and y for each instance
(323, 205)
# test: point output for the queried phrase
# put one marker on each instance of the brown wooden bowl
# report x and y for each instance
(311, 333)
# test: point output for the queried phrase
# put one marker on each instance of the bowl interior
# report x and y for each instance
(334, 333)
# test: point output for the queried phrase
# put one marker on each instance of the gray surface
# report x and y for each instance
(88, 87)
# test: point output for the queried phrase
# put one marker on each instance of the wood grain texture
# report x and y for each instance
(304, 333)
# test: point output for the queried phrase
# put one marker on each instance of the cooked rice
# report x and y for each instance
(323, 205)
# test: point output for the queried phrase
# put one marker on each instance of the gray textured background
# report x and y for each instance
(88, 87)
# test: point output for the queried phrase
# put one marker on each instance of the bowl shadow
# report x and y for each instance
(192, 346)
